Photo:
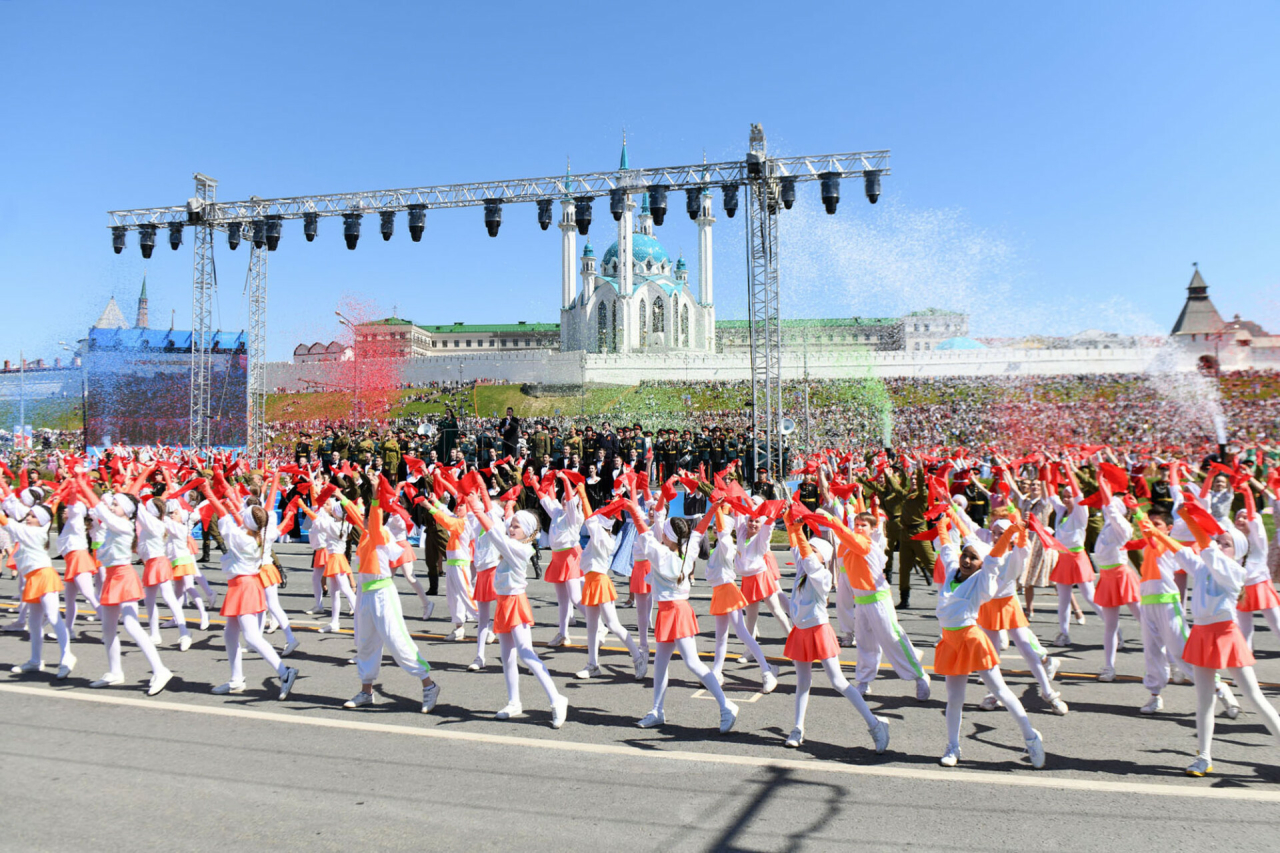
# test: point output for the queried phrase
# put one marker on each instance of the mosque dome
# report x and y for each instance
(644, 247)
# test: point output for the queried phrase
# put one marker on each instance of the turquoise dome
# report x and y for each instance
(643, 248)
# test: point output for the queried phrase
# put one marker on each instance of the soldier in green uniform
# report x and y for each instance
(391, 457)
(467, 447)
(914, 554)
(557, 449)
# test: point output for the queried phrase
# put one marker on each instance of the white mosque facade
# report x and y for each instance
(636, 300)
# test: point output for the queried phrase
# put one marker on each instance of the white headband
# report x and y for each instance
(528, 522)
(822, 547)
(668, 531)
(41, 512)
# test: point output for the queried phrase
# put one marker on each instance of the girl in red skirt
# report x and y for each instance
(671, 560)
(758, 580)
(40, 583)
(599, 595)
(728, 603)
(1215, 641)
(73, 545)
(245, 599)
(964, 649)
(177, 525)
(330, 526)
(1259, 594)
(565, 571)
(811, 639)
(486, 560)
(1073, 567)
(157, 571)
(1117, 581)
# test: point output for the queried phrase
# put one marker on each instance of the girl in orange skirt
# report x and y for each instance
(599, 595)
(1073, 567)
(671, 560)
(728, 603)
(329, 525)
(268, 573)
(565, 571)
(157, 571)
(1259, 594)
(245, 599)
(41, 584)
(73, 545)
(121, 589)
(811, 639)
(486, 560)
(964, 649)
(758, 581)
(513, 617)
(177, 547)
(1215, 641)
(1117, 582)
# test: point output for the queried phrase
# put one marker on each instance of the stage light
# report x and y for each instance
(310, 225)
(492, 216)
(658, 203)
(233, 235)
(693, 201)
(617, 203)
(730, 199)
(388, 224)
(117, 238)
(417, 221)
(872, 178)
(259, 233)
(195, 211)
(275, 227)
(755, 164)
(175, 235)
(788, 192)
(147, 239)
(351, 228)
(582, 213)
(544, 213)
(830, 190)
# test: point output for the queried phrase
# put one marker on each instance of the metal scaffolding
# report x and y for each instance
(257, 403)
(204, 288)
(762, 301)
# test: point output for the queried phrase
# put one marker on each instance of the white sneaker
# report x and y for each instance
(1057, 705)
(204, 622)
(728, 716)
(510, 712)
(29, 666)
(172, 623)
(184, 642)
(850, 642)
(109, 680)
(272, 626)
(491, 639)
(951, 757)
(641, 663)
(1080, 620)
(361, 699)
(1035, 749)
(880, 735)
(589, 672)
(428, 610)
(430, 695)
(558, 640)
(923, 689)
(315, 610)
(1051, 666)
(1063, 639)
(229, 687)
(158, 681)
(290, 647)
(1200, 767)
(458, 633)
(864, 688)
(1154, 704)
(719, 677)
(770, 682)
(652, 719)
(286, 681)
(559, 711)
(1177, 677)
(68, 664)
(1232, 708)
(1120, 638)
(1107, 674)
(476, 665)
(328, 629)
(990, 703)
(794, 739)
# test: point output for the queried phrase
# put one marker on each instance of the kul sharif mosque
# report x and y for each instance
(634, 299)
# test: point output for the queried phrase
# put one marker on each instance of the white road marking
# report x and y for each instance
(813, 766)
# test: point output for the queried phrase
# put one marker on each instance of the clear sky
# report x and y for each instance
(1055, 166)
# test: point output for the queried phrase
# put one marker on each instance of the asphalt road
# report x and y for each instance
(195, 770)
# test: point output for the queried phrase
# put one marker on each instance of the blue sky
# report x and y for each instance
(1055, 167)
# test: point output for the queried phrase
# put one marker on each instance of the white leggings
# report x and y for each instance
(995, 684)
(274, 608)
(37, 613)
(611, 622)
(317, 588)
(484, 618)
(1032, 652)
(775, 606)
(187, 589)
(84, 585)
(153, 615)
(804, 681)
(1271, 614)
(739, 623)
(569, 596)
(247, 624)
(1064, 603)
(644, 613)
(519, 644)
(1111, 630)
(340, 585)
(407, 571)
(688, 648)
(112, 615)
(204, 585)
(1206, 693)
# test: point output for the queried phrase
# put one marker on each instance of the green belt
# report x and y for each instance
(961, 628)
(184, 561)
(1105, 568)
(370, 586)
(1076, 550)
(1161, 598)
(561, 550)
(457, 562)
(871, 599)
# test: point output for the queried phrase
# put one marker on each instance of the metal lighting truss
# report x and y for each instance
(768, 179)
(257, 411)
